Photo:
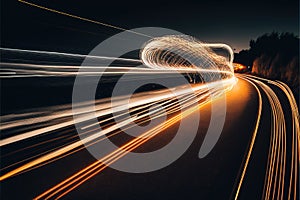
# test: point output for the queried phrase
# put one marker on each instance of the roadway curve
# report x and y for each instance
(256, 157)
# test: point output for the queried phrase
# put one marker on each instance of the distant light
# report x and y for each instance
(239, 67)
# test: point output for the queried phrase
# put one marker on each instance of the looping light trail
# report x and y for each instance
(177, 52)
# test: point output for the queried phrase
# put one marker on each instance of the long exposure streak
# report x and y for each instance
(209, 74)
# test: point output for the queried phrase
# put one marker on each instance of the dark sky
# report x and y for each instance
(231, 22)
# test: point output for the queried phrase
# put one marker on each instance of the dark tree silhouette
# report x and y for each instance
(274, 56)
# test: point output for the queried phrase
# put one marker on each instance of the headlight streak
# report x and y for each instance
(295, 140)
(141, 120)
(22, 70)
(104, 109)
(251, 143)
(96, 135)
(66, 55)
(82, 18)
(279, 132)
(80, 177)
(275, 178)
(161, 61)
(163, 56)
(62, 117)
(276, 169)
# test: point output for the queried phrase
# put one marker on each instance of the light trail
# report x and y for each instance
(82, 18)
(22, 70)
(277, 167)
(105, 109)
(66, 55)
(96, 167)
(197, 58)
(164, 55)
(63, 116)
(277, 163)
(185, 52)
(203, 55)
(97, 135)
(252, 141)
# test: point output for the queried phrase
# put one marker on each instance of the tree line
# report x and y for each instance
(274, 56)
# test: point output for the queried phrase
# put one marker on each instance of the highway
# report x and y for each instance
(72, 125)
(256, 156)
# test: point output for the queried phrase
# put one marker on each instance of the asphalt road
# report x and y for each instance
(216, 176)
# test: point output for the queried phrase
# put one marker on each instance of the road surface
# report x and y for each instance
(256, 156)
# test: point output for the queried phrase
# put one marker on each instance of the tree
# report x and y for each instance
(274, 56)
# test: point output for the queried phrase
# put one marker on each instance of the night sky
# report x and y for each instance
(231, 22)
